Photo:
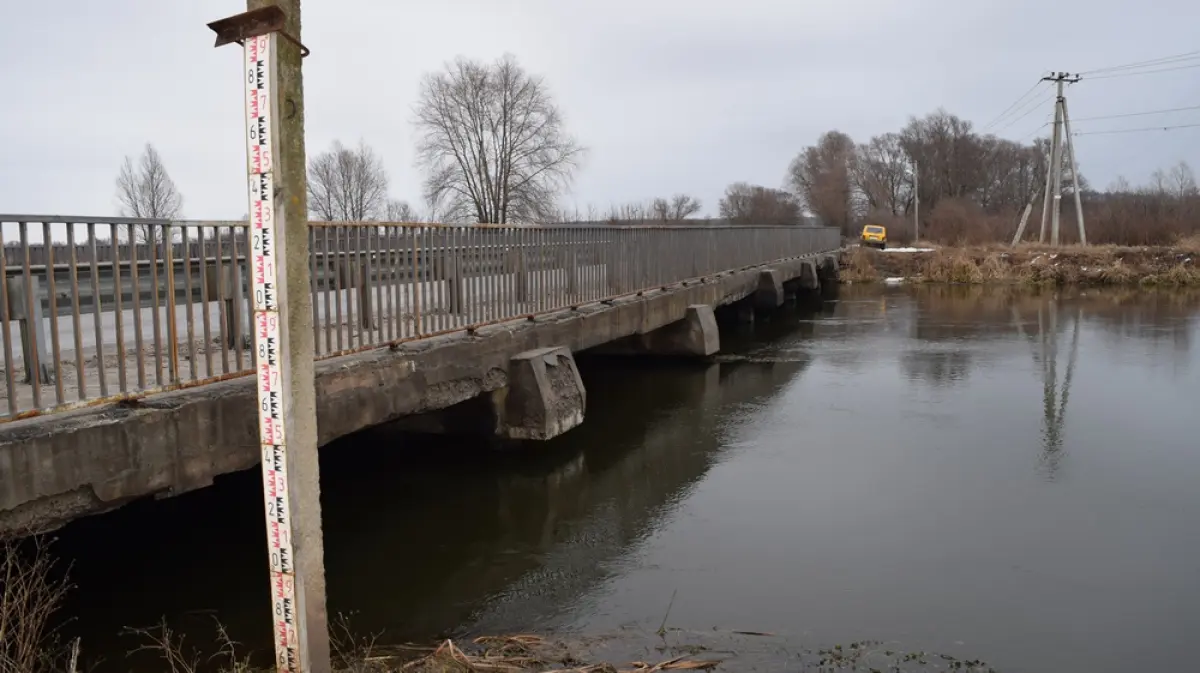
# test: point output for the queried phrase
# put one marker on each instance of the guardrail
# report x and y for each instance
(117, 308)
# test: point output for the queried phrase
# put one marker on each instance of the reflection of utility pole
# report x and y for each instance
(1054, 398)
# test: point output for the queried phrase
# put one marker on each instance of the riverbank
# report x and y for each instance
(1174, 266)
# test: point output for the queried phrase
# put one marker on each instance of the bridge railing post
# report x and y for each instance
(227, 284)
(450, 271)
(32, 329)
(362, 280)
(569, 261)
(612, 261)
(516, 266)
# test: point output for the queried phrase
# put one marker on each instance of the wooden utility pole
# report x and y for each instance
(283, 338)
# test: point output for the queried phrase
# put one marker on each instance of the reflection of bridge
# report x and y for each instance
(550, 537)
(125, 365)
(491, 535)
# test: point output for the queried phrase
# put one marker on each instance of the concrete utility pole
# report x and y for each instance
(916, 202)
(1054, 170)
(283, 338)
(1025, 219)
(1074, 174)
(1049, 177)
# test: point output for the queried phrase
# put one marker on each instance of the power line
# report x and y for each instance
(1031, 110)
(1152, 62)
(1034, 132)
(1147, 128)
(1020, 101)
(1145, 72)
(1138, 114)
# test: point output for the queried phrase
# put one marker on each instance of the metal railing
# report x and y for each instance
(116, 308)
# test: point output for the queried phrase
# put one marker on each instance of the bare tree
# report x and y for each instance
(492, 143)
(679, 207)
(744, 203)
(401, 211)
(145, 190)
(628, 213)
(1182, 181)
(881, 172)
(821, 176)
(347, 185)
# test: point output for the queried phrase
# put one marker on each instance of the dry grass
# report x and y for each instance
(1118, 273)
(31, 591)
(521, 653)
(1032, 264)
(859, 267)
(953, 266)
(996, 268)
(1190, 244)
(1180, 275)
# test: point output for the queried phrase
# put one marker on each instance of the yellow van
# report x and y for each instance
(874, 236)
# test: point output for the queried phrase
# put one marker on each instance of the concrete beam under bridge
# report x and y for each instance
(62, 466)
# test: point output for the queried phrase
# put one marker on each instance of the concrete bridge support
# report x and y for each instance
(769, 294)
(809, 280)
(696, 335)
(827, 271)
(544, 398)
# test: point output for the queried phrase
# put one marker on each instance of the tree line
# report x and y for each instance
(969, 187)
(493, 147)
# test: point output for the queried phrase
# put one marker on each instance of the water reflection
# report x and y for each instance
(1054, 395)
(893, 466)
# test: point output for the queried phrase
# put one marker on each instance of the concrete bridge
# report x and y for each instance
(465, 329)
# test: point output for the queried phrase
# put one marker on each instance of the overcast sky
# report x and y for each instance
(670, 96)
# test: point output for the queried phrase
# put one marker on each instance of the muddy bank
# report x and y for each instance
(1030, 264)
(666, 650)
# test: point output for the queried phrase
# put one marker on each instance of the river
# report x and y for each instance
(992, 474)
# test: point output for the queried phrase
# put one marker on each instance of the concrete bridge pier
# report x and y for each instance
(827, 273)
(809, 280)
(769, 295)
(696, 335)
(543, 398)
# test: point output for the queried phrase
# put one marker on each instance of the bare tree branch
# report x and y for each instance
(748, 204)
(402, 211)
(347, 185)
(145, 190)
(821, 176)
(492, 143)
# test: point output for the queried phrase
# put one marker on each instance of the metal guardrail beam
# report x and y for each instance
(92, 318)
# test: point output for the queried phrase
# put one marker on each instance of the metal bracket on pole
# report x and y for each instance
(241, 27)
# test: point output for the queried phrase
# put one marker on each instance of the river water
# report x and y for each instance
(991, 474)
